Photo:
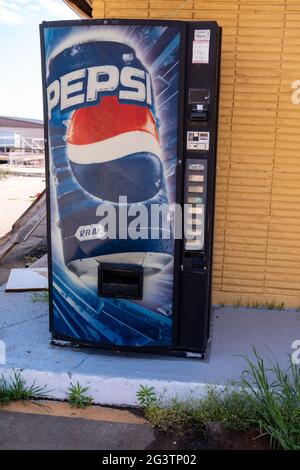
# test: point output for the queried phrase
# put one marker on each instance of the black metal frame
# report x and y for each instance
(169, 350)
(201, 321)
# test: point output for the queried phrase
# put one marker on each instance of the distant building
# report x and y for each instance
(21, 141)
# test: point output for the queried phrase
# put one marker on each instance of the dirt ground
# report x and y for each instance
(16, 195)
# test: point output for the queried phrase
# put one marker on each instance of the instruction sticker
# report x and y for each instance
(197, 140)
(202, 35)
(201, 46)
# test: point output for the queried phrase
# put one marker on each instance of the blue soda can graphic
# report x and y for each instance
(104, 144)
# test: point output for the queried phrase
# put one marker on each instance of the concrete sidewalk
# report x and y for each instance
(114, 378)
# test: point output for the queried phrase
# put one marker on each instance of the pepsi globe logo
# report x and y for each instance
(112, 137)
(114, 150)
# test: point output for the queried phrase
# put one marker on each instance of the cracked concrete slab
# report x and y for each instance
(114, 378)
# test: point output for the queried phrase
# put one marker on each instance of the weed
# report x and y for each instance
(266, 398)
(273, 306)
(16, 388)
(146, 396)
(237, 303)
(77, 397)
(270, 305)
(275, 396)
(40, 296)
(256, 304)
(29, 259)
(229, 407)
(176, 416)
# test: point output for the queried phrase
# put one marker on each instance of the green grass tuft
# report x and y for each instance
(77, 397)
(15, 388)
(275, 395)
(146, 396)
(40, 296)
(228, 406)
(237, 303)
(260, 305)
(266, 398)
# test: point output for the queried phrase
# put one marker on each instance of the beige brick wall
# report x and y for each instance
(257, 235)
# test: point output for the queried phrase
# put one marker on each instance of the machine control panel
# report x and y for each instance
(195, 201)
(198, 179)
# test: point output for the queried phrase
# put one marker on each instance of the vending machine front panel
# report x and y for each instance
(130, 129)
(112, 100)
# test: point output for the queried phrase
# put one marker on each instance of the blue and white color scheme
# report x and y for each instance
(112, 106)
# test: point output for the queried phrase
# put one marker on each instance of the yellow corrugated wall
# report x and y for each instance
(257, 235)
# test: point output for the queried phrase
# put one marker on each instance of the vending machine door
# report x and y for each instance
(112, 94)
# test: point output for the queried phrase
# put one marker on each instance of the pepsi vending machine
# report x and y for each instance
(131, 130)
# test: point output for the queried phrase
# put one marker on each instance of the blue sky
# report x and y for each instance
(20, 72)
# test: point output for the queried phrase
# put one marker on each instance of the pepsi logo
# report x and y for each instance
(86, 85)
(114, 150)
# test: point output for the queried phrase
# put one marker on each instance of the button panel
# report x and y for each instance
(195, 202)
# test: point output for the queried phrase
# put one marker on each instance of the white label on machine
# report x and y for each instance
(90, 232)
(196, 167)
(197, 140)
(202, 35)
(201, 46)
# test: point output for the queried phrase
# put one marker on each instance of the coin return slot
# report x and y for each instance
(196, 178)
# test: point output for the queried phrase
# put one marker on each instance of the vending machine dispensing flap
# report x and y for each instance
(120, 280)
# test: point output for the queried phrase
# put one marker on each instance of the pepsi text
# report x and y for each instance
(86, 84)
